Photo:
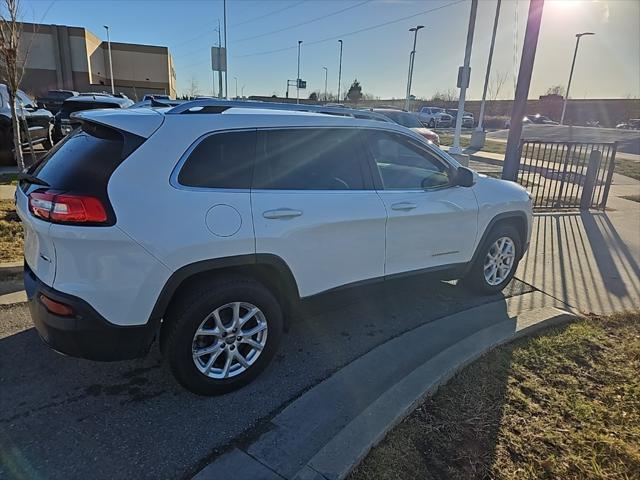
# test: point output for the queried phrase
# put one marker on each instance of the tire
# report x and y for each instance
(476, 279)
(432, 123)
(189, 314)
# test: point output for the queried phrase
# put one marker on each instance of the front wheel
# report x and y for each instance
(223, 335)
(432, 123)
(496, 262)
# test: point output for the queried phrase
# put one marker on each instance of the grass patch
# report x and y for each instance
(11, 234)
(490, 146)
(565, 404)
(628, 168)
(8, 179)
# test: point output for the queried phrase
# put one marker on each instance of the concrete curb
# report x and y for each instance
(11, 268)
(328, 430)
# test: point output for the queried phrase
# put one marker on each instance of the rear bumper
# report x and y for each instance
(86, 334)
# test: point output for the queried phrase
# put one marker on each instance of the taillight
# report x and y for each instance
(67, 208)
(57, 308)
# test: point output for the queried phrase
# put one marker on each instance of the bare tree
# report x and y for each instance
(496, 83)
(12, 65)
(448, 96)
(556, 90)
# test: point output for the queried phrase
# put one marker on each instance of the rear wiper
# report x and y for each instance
(26, 177)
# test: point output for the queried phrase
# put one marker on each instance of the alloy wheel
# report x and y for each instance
(499, 261)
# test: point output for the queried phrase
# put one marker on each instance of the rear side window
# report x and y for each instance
(223, 160)
(310, 159)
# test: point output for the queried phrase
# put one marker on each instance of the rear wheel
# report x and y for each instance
(223, 335)
(496, 262)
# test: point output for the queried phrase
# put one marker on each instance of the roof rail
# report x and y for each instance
(213, 106)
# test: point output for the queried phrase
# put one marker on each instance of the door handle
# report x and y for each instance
(404, 206)
(281, 213)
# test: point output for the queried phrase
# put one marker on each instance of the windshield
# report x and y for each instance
(403, 118)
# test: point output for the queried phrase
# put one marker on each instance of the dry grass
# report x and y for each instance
(563, 405)
(11, 237)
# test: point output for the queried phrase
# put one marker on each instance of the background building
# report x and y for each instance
(73, 58)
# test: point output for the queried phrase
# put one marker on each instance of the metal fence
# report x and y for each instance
(567, 175)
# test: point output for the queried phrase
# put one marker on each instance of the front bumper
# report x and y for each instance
(86, 334)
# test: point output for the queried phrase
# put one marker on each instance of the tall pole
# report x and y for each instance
(113, 88)
(298, 77)
(326, 74)
(464, 78)
(339, 70)
(488, 74)
(219, 60)
(226, 50)
(236, 79)
(512, 156)
(573, 63)
(412, 57)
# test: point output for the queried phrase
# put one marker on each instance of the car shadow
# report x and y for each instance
(62, 417)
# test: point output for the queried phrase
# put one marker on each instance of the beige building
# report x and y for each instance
(73, 58)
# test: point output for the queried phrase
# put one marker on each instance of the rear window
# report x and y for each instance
(69, 107)
(403, 118)
(223, 160)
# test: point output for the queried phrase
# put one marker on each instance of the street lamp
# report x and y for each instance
(236, 79)
(326, 73)
(412, 56)
(298, 77)
(573, 63)
(113, 89)
(340, 70)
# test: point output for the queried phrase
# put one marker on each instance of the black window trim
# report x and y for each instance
(369, 181)
(429, 150)
(175, 173)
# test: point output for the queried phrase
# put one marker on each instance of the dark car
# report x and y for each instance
(35, 124)
(53, 100)
(63, 124)
(467, 118)
(410, 121)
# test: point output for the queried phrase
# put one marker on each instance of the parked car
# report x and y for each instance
(435, 117)
(467, 118)
(153, 96)
(63, 124)
(153, 103)
(632, 124)
(410, 121)
(52, 101)
(205, 225)
(533, 119)
(38, 124)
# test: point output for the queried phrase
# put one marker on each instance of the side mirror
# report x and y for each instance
(30, 108)
(464, 177)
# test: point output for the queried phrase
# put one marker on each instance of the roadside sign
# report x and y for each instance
(302, 84)
(218, 59)
(463, 77)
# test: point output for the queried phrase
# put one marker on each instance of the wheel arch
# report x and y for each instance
(516, 218)
(270, 270)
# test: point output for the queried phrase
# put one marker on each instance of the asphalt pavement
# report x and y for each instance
(67, 418)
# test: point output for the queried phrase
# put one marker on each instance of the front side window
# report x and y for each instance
(223, 160)
(403, 165)
(310, 159)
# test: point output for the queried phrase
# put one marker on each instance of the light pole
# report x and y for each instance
(113, 88)
(298, 77)
(478, 137)
(412, 56)
(226, 50)
(339, 70)
(326, 73)
(242, 91)
(464, 74)
(573, 63)
(236, 79)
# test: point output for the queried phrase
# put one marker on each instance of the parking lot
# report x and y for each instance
(68, 418)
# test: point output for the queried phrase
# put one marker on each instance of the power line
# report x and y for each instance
(260, 35)
(267, 14)
(354, 32)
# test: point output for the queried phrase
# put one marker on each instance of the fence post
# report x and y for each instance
(590, 179)
(563, 178)
(607, 184)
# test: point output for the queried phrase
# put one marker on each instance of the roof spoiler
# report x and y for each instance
(142, 122)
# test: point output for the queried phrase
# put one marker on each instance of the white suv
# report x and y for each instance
(434, 117)
(203, 226)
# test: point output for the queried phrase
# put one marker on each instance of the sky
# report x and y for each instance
(262, 38)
